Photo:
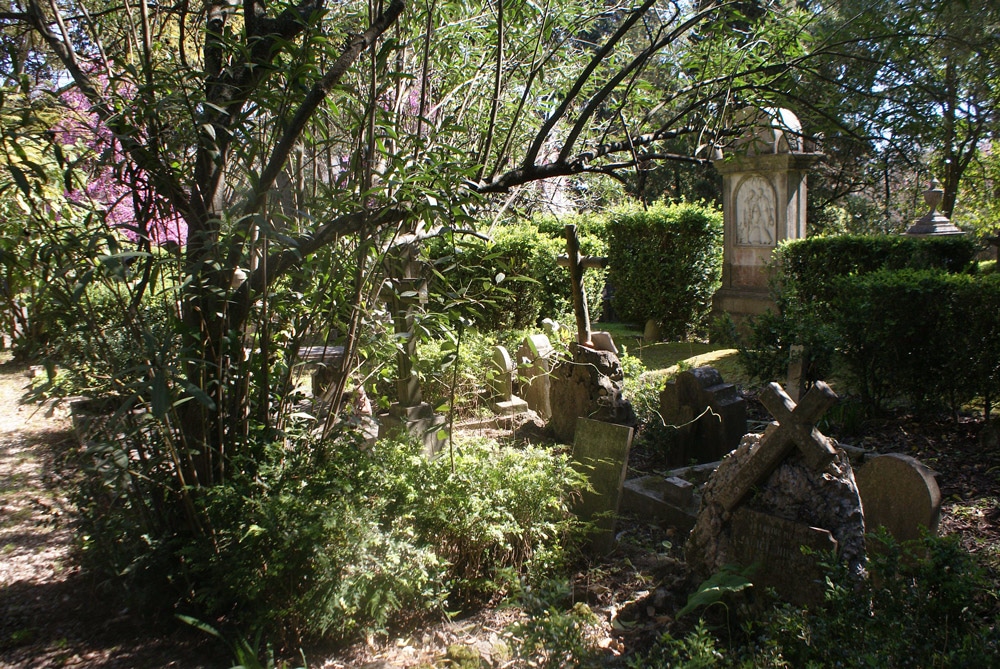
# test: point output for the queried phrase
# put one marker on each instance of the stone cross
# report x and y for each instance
(577, 264)
(796, 428)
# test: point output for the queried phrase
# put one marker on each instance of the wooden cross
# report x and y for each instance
(796, 428)
(577, 264)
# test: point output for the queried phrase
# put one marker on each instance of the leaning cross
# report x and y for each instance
(796, 427)
(577, 264)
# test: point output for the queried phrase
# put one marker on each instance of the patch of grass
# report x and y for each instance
(668, 359)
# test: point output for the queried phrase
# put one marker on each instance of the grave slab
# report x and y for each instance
(600, 453)
(645, 497)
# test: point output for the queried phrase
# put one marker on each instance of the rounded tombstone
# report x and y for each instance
(900, 494)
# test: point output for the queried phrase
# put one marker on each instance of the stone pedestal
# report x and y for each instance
(589, 385)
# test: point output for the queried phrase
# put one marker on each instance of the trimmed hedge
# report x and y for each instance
(907, 319)
(520, 268)
(921, 335)
(808, 265)
(665, 263)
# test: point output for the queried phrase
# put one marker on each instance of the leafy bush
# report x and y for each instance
(493, 514)
(329, 539)
(921, 605)
(520, 266)
(665, 263)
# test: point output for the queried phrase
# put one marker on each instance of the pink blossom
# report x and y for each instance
(116, 187)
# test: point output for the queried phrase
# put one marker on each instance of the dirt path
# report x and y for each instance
(50, 612)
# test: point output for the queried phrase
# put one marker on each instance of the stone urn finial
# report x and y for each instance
(933, 222)
(933, 195)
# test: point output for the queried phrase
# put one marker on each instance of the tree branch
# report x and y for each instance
(322, 88)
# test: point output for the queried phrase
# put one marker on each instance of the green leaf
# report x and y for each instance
(161, 398)
(20, 179)
(715, 588)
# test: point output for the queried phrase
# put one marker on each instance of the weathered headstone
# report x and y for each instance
(534, 367)
(709, 414)
(776, 493)
(552, 328)
(600, 452)
(775, 546)
(588, 385)
(651, 332)
(900, 494)
(503, 400)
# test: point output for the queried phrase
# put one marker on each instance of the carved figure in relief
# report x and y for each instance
(755, 213)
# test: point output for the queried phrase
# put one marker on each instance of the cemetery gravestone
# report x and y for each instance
(600, 452)
(590, 383)
(777, 492)
(535, 365)
(763, 204)
(709, 414)
(504, 401)
(900, 494)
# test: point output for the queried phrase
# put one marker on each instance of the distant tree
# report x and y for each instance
(902, 83)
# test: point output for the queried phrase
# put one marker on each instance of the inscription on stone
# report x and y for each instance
(774, 547)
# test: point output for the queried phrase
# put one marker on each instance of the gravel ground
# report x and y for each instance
(51, 612)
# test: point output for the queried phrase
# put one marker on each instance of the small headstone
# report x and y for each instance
(900, 494)
(600, 452)
(534, 367)
(551, 327)
(603, 342)
(504, 401)
(709, 414)
(651, 333)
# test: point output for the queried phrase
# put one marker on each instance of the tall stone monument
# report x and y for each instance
(764, 203)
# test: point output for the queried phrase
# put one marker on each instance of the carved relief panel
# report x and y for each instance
(756, 220)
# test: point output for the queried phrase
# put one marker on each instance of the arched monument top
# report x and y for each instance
(768, 131)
